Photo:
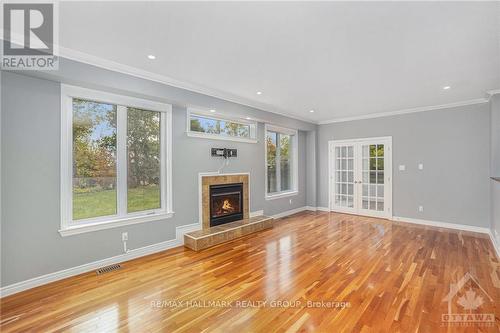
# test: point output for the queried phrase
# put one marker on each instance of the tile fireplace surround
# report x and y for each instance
(208, 180)
(211, 236)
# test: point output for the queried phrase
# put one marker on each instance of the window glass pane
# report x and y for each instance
(373, 150)
(350, 151)
(380, 164)
(205, 125)
(235, 129)
(365, 203)
(350, 164)
(285, 162)
(366, 153)
(380, 150)
(350, 176)
(222, 127)
(380, 177)
(94, 159)
(380, 191)
(365, 164)
(271, 138)
(143, 165)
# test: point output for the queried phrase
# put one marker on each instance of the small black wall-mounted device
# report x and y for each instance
(224, 152)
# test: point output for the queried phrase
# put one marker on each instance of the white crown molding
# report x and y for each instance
(490, 93)
(82, 57)
(89, 59)
(405, 111)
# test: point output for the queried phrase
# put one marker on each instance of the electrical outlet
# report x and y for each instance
(420, 166)
(290, 201)
(124, 236)
(402, 167)
(421, 208)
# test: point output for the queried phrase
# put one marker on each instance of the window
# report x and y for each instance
(281, 162)
(201, 124)
(115, 160)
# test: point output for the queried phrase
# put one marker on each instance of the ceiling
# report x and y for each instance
(338, 59)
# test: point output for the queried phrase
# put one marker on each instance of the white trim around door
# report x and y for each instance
(360, 176)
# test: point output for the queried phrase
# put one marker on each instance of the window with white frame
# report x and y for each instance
(209, 125)
(116, 165)
(281, 162)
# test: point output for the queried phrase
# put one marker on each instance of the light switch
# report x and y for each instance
(402, 167)
(420, 166)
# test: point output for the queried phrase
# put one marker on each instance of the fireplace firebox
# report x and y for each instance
(226, 203)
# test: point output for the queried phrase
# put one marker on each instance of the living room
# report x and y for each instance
(250, 166)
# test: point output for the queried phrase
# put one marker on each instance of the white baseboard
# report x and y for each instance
(323, 209)
(179, 241)
(289, 212)
(131, 254)
(256, 213)
(495, 242)
(439, 224)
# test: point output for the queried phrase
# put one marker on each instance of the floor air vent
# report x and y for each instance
(108, 269)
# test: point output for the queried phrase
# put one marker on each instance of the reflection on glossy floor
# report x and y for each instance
(394, 275)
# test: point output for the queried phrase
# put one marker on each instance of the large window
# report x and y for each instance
(281, 162)
(115, 160)
(214, 126)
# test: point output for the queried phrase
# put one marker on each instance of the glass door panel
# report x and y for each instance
(372, 177)
(360, 176)
(344, 186)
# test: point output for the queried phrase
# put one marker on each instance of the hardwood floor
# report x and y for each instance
(393, 275)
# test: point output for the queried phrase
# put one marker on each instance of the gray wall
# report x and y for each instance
(495, 166)
(453, 144)
(311, 168)
(30, 148)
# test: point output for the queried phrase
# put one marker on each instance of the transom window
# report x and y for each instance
(205, 124)
(281, 162)
(115, 160)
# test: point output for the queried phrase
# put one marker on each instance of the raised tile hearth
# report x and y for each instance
(202, 239)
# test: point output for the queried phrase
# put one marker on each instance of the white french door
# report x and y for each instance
(360, 180)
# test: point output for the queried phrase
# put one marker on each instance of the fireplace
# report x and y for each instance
(226, 203)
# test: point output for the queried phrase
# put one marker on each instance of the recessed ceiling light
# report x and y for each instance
(248, 118)
(259, 92)
(152, 57)
(212, 110)
(312, 111)
(446, 87)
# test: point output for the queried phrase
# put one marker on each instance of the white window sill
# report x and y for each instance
(96, 226)
(219, 137)
(280, 195)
